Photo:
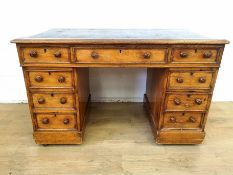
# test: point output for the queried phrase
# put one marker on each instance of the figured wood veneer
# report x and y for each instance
(181, 72)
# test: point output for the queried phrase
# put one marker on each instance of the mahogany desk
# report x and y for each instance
(181, 71)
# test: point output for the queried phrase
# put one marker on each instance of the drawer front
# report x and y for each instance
(190, 80)
(45, 55)
(53, 100)
(120, 55)
(183, 55)
(50, 78)
(56, 121)
(189, 102)
(191, 120)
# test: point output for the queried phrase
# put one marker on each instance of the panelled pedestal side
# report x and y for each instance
(58, 96)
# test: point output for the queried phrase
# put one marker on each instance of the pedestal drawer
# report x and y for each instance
(53, 100)
(55, 121)
(190, 79)
(186, 102)
(50, 78)
(180, 120)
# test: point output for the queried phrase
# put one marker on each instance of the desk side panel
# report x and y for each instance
(155, 92)
(83, 91)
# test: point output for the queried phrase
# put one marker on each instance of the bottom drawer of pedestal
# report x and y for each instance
(55, 121)
(180, 137)
(180, 120)
(61, 137)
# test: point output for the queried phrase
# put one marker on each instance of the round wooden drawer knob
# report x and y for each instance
(179, 80)
(183, 54)
(39, 78)
(57, 54)
(61, 79)
(41, 100)
(173, 119)
(94, 55)
(33, 53)
(146, 55)
(207, 54)
(198, 101)
(202, 80)
(45, 120)
(66, 121)
(192, 119)
(63, 100)
(177, 101)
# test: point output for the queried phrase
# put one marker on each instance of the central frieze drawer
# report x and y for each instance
(187, 102)
(190, 80)
(120, 55)
(53, 100)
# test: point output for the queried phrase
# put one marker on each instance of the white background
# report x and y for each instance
(28, 17)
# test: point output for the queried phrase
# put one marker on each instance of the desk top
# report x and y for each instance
(119, 36)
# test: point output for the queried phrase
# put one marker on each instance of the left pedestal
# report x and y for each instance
(58, 99)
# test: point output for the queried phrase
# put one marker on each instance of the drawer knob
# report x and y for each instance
(180, 80)
(202, 80)
(192, 119)
(173, 119)
(207, 54)
(63, 100)
(39, 78)
(61, 79)
(57, 54)
(177, 101)
(45, 120)
(94, 55)
(198, 101)
(33, 53)
(146, 55)
(66, 121)
(183, 54)
(41, 100)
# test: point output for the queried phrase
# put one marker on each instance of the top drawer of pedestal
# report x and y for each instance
(45, 55)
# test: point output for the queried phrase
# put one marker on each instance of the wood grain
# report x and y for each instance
(45, 55)
(190, 79)
(50, 79)
(120, 55)
(187, 102)
(194, 55)
(52, 100)
(182, 120)
(56, 121)
(182, 70)
(107, 149)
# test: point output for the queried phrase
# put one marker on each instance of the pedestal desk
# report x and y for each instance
(181, 72)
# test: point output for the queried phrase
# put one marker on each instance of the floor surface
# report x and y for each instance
(118, 141)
